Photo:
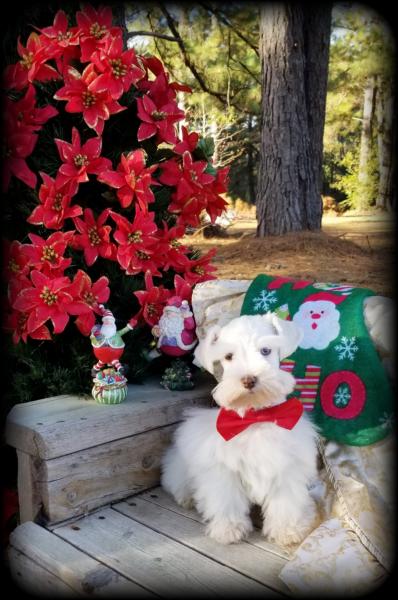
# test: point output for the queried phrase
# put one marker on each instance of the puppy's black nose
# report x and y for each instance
(249, 381)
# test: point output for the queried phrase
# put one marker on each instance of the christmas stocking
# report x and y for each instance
(339, 376)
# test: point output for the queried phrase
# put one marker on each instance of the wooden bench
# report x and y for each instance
(93, 519)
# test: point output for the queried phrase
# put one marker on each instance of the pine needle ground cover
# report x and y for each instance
(101, 179)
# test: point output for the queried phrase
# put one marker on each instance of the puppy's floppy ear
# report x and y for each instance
(291, 335)
(205, 352)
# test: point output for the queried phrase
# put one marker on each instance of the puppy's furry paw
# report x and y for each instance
(226, 531)
(290, 535)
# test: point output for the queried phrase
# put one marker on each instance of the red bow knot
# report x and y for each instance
(286, 415)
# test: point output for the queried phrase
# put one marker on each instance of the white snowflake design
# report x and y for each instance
(386, 420)
(347, 348)
(342, 396)
(264, 300)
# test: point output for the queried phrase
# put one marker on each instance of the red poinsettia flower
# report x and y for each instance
(182, 289)
(172, 250)
(132, 180)
(200, 269)
(95, 26)
(159, 89)
(94, 236)
(32, 66)
(158, 120)
(190, 180)
(188, 143)
(137, 244)
(24, 115)
(48, 299)
(61, 42)
(55, 204)
(96, 107)
(48, 255)
(80, 160)
(118, 69)
(16, 321)
(216, 204)
(152, 301)
(17, 147)
(15, 260)
(93, 294)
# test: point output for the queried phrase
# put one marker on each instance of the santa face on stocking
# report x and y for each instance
(319, 321)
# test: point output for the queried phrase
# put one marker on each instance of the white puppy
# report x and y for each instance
(222, 467)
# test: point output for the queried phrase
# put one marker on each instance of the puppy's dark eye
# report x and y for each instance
(265, 351)
(228, 356)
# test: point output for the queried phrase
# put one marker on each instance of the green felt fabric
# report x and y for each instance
(339, 375)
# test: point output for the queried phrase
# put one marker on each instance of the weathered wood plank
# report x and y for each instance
(28, 494)
(159, 497)
(50, 428)
(155, 561)
(244, 558)
(75, 484)
(75, 568)
(30, 577)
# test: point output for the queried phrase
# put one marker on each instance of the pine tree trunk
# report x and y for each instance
(366, 143)
(294, 48)
(251, 183)
(385, 135)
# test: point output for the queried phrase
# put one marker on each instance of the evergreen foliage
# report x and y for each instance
(170, 183)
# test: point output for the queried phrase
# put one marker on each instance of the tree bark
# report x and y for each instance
(294, 49)
(366, 143)
(385, 141)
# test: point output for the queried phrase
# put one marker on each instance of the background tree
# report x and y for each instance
(359, 129)
(294, 48)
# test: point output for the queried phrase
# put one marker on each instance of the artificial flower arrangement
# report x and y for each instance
(96, 152)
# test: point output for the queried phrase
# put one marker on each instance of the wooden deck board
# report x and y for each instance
(145, 546)
(245, 558)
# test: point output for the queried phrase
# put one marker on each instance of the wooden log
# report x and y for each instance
(29, 498)
(73, 567)
(53, 427)
(31, 578)
(77, 483)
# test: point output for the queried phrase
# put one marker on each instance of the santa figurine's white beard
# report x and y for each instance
(108, 330)
(171, 326)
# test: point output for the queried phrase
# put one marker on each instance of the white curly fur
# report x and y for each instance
(265, 464)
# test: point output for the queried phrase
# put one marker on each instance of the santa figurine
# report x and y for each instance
(176, 328)
(107, 342)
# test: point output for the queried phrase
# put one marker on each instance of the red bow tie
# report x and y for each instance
(286, 415)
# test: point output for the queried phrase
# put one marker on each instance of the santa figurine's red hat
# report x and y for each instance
(105, 312)
(324, 296)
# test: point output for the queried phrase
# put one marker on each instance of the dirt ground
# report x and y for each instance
(351, 248)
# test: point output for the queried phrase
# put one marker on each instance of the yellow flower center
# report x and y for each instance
(48, 253)
(27, 60)
(142, 255)
(89, 298)
(81, 160)
(151, 310)
(134, 237)
(88, 98)
(93, 236)
(57, 204)
(175, 244)
(119, 69)
(158, 115)
(199, 270)
(48, 296)
(63, 36)
(98, 31)
(13, 266)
